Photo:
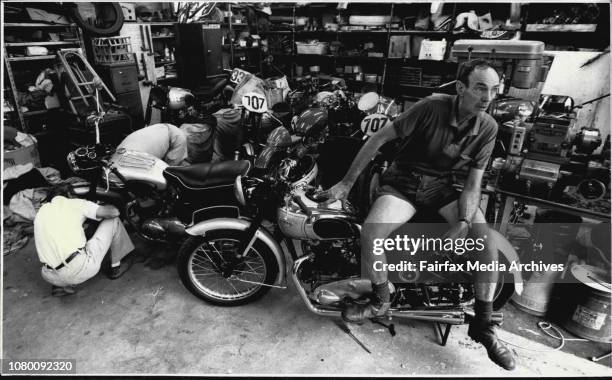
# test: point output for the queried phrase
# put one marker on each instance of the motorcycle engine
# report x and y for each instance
(333, 260)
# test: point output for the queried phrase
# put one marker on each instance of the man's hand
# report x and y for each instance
(339, 191)
(107, 212)
(458, 231)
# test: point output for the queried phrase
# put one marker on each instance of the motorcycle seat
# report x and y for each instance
(206, 175)
(209, 92)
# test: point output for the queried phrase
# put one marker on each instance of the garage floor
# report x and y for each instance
(146, 322)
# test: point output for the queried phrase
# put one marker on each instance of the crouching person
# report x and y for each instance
(68, 258)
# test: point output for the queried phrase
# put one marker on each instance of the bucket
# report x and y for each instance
(536, 295)
(590, 317)
(555, 231)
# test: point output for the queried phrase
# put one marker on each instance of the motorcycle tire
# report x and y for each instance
(186, 273)
(109, 29)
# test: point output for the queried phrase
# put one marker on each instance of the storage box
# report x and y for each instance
(508, 49)
(399, 47)
(312, 48)
(432, 50)
(22, 156)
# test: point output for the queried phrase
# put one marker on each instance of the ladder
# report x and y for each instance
(85, 81)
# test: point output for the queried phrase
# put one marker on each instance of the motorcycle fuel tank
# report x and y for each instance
(329, 223)
(138, 166)
(311, 122)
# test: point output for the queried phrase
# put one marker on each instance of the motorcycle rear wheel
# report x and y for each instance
(200, 263)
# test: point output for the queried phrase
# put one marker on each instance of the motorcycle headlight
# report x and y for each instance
(239, 191)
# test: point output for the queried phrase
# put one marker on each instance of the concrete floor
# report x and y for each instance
(146, 322)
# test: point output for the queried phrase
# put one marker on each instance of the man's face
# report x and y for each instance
(483, 86)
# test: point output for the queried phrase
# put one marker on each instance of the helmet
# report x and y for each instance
(178, 98)
(311, 122)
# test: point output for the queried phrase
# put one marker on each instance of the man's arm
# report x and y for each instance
(107, 212)
(364, 156)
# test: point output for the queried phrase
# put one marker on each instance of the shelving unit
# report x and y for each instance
(248, 50)
(16, 61)
(521, 18)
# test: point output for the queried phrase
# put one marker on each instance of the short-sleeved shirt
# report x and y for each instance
(435, 144)
(58, 228)
(164, 141)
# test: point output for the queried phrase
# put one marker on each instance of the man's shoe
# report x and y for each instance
(484, 333)
(118, 271)
(60, 291)
(359, 313)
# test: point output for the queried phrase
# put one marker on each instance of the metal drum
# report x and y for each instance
(590, 317)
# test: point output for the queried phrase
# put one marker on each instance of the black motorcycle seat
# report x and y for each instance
(206, 175)
(210, 92)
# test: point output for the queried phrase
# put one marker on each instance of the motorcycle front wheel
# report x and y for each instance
(206, 268)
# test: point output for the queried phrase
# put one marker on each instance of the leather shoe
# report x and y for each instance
(118, 271)
(484, 333)
(360, 312)
(60, 291)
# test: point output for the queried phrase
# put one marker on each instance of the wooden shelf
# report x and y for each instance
(430, 32)
(41, 43)
(31, 58)
(577, 28)
(168, 36)
(39, 112)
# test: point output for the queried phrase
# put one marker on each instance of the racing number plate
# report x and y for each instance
(254, 102)
(373, 123)
(238, 75)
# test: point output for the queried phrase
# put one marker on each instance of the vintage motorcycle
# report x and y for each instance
(157, 200)
(233, 261)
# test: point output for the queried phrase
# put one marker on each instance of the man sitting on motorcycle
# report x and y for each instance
(441, 134)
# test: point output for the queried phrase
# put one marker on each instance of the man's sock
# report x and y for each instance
(115, 265)
(382, 292)
(483, 311)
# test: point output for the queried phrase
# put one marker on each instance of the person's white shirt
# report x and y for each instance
(58, 228)
(164, 141)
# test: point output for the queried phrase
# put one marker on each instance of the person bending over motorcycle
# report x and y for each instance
(164, 141)
(67, 256)
(441, 134)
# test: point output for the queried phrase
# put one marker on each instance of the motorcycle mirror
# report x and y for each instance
(368, 101)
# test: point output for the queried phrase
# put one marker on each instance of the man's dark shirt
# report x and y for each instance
(433, 142)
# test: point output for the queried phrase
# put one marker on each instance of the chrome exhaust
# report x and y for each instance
(451, 316)
(315, 309)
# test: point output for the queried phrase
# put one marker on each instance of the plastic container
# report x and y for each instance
(112, 50)
(312, 48)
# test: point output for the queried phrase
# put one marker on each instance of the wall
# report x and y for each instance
(582, 84)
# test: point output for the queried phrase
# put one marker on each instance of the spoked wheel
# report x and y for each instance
(209, 269)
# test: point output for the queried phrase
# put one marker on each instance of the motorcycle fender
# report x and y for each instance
(504, 246)
(200, 229)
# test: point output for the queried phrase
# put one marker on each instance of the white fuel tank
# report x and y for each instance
(139, 166)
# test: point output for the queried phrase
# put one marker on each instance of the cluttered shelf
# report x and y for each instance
(35, 25)
(41, 43)
(31, 58)
(576, 28)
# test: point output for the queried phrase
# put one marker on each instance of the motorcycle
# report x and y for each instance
(233, 261)
(158, 201)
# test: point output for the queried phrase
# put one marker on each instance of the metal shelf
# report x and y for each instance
(41, 43)
(169, 36)
(31, 58)
(36, 25)
(576, 28)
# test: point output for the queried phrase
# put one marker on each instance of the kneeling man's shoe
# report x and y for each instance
(60, 291)
(484, 333)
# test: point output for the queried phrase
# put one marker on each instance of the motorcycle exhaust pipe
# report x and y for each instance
(317, 310)
(453, 316)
